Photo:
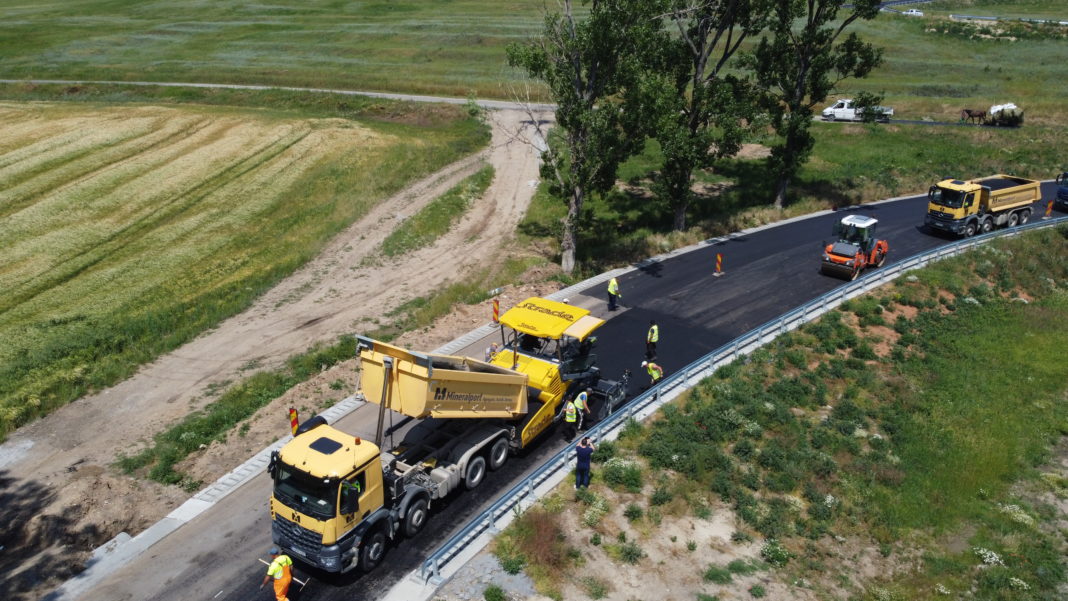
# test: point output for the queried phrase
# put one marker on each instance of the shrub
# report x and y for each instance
(661, 496)
(633, 512)
(604, 451)
(775, 554)
(691, 546)
(620, 472)
(493, 593)
(718, 575)
(595, 588)
(743, 567)
(513, 564)
(757, 591)
(631, 429)
(741, 537)
(595, 540)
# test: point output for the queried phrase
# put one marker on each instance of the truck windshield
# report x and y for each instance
(305, 494)
(947, 198)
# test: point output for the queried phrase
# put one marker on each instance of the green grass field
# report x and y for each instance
(449, 47)
(128, 230)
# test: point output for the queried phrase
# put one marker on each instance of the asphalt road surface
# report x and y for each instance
(766, 273)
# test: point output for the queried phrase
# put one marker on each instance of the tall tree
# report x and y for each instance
(699, 113)
(799, 62)
(586, 63)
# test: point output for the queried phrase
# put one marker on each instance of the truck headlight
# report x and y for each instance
(330, 561)
(849, 263)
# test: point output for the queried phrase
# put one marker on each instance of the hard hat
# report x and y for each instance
(273, 551)
(644, 363)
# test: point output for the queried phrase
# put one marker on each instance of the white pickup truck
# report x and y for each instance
(843, 110)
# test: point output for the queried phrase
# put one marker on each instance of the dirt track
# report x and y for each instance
(343, 290)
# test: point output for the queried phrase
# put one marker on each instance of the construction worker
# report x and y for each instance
(656, 373)
(583, 452)
(613, 294)
(651, 338)
(570, 419)
(582, 405)
(281, 570)
(491, 352)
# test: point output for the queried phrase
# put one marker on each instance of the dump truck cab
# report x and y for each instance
(976, 206)
(1061, 200)
(857, 247)
(325, 481)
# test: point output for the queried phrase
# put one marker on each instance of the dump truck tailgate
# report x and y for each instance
(428, 385)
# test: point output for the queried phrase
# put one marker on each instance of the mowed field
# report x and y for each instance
(127, 230)
(450, 47)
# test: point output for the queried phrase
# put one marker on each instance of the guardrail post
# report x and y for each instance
(435, 573)
(491, 525)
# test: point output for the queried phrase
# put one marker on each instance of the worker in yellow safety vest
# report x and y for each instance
(656, 373)
(582, 406)
(570, 419)
(613, 294)
(281, 570)
(651, 338)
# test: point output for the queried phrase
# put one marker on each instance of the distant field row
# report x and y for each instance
(451, 47)
(129, 230)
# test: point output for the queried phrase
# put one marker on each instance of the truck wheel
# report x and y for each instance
(1025, 215)
(498, 454)
(988, 225)
(1014, 219)
(476, 472)
(373, 550)
(969, 230)
(416, 517)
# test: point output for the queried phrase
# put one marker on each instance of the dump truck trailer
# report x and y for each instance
(338, 500)
(979, 205)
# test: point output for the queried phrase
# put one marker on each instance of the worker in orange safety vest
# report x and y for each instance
(281, 570)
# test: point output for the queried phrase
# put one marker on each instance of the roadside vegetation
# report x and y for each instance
(922, 428)
(130, 229)
(426, 226)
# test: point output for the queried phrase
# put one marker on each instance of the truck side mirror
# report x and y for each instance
(272, 465)
(350, 500)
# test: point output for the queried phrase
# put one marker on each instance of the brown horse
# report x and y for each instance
(972, 115)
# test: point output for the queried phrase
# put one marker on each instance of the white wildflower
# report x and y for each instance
(1020, 585)
(830, 500)
(988, 557)
(941, 589)
(1017, 514)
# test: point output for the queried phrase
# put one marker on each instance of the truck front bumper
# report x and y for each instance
(955, 226)
(299, 543)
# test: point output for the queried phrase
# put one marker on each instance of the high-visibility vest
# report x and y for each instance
(654, 334)
(613, 287)
(580, 401)
(280, 566)
(655, 371)
(570, 413)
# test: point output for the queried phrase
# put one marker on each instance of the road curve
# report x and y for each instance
(766, 273)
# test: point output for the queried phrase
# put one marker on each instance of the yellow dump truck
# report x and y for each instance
(338, 501)
(980, 205)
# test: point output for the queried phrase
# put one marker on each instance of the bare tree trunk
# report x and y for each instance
(780, 191)
(569, 240)
(680, 217)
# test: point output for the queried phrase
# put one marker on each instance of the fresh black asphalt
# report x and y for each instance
(766, 273)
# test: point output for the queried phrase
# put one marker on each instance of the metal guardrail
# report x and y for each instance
(648, 401)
